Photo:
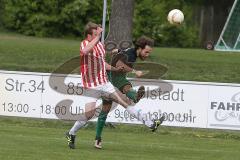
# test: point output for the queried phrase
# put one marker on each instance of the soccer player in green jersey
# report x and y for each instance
(126, 58)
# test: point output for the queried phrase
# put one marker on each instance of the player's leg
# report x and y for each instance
(90, 109)
(121, 82)
(101, 122)
(82, 120)
(151, 123)
(123, 100)
(131, 93)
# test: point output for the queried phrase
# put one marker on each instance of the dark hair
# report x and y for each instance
(143, 41)
(89, 27)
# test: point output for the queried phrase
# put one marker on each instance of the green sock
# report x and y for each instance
(132, 94)
(100, 124)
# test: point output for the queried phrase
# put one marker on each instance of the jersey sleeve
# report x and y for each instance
(121, 57)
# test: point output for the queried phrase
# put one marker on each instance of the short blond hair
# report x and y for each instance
(89, 27)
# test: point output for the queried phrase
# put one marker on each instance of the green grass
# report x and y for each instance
(29, 139)
(199, 64)
(23, 53)
(35, 54)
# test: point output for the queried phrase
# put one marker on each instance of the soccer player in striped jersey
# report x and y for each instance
(96, 84)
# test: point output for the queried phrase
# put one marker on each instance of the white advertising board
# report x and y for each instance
(184, 103)
(224, 107)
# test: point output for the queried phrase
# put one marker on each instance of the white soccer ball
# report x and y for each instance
(175, 16)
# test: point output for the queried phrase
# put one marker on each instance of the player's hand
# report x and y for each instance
(138, 73)
(99, 31)
(115, 51)
(119, 69)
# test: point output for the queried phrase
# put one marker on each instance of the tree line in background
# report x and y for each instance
(60, 18)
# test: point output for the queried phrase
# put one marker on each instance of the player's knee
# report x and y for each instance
(106, 106)
(126, 88)
(103, 115)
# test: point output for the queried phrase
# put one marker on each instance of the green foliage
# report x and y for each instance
(1, 11)
(47, 18)
(151, 19)
(56, 18)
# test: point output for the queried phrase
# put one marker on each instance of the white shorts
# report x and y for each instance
(98, 92)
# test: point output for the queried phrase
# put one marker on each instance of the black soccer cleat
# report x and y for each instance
(156, 123)
(70, 140)
(140, 94)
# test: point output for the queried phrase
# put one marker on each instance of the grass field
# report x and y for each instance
(45, 55)
(34, 139)
(28, 139)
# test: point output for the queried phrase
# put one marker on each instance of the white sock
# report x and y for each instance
(78, 125)
(140, 116)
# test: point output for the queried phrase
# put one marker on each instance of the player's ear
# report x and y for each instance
(89, 36)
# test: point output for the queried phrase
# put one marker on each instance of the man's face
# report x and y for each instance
(145, 52)
(93, 35)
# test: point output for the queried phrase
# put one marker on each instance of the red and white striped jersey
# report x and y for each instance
(92, 65)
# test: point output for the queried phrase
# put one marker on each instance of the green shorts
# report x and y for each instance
(119, 81)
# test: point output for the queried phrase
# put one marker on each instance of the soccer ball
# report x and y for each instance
(175, 16)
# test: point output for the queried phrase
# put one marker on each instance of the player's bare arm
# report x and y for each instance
(111, 68)
(126, 68)
(96, 35)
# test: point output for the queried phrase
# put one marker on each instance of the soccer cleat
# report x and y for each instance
(140, 93)
(98, 144)
(71, 140)
(156, 123)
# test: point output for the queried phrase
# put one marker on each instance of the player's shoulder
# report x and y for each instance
(124, 51)
(84, 42)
